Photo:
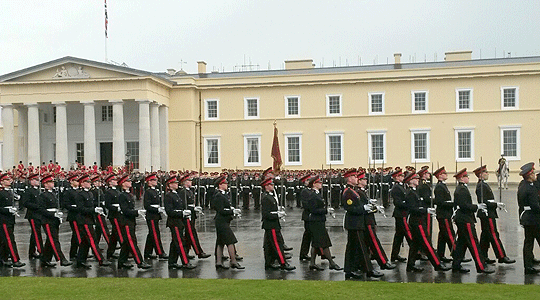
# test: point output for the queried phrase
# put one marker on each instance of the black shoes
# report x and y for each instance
(398, 259)
(34, 255)
(220, 266)
(188, 266)
(442, 268)
(461, 270)
(104, 263)
(144, 265)
(287, 267)
(66, 263)
(19, 264)
(353, 275)
(47, 264)
(239, 258)
(375, 274)
(163, 257)
(287, 248)
(466, 260)
(388, 266)
(335, 267)
(423, 257)
(237, 266)
(446, 259)
(532, 270)
(316, 267)
(204, 255)
(150, 256)
(125, 266)
(84, 266)
(486, 271)
(414, 269)
(272, 267)
(305, 257)
(506, 260)
(287, 256)
(191, 256)
(174, 266)
(490, 261)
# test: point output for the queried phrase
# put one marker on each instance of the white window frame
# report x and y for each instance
(246, 107)
(287, 107)
(328, 135)
(370, 150)
(413, 94)
(104, 109)
(456, 150)
(370, 104)
(503, 128)
(328, 114)
(287, 136)
(428, 145)
(206, 116)
(471, 99)
(212, 137)
(246, 152)
(502, 97)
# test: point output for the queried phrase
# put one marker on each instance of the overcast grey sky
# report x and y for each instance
(154, 35)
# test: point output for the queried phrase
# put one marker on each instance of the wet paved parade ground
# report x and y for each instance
(250, 236)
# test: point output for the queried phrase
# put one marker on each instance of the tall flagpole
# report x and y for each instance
(106, 34)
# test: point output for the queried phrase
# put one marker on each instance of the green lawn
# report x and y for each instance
(146, 288)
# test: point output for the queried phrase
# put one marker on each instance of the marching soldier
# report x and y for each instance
(444, 211)
(306, 237)
(153, 207)
(466, 230)
(424, 191)
(51, 217)
(102, 229)
(257, 191)
(401, 212)
(272, 245)
(175, 207)
(385, 187)
(529, 217)
(488, 222)
(245, 182)
(29, 201)
(70, 204)
(233, 187)
(8, 211)
(113, 207)
(128, 223)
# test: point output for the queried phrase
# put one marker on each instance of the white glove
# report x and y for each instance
(142, 211)
(237, 211)
(12, 209)
(281, 214)
(482, 206)
(367, 207)
(155, 206)
(59, 214)
(117, 206)
(98, 210)
(373, 201)
(501, 205)
(198, 209)
(431, 211)
(161, 209)
(330, 210)
(186, 213)
(52, 210)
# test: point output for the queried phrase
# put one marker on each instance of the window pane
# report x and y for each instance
(253, 150)
(464, 99)
(510, 142)
(419, 101)
(420, 146)
(133, 153)
(292, 106)
(509, 97)
(212, 109)
(334, 104)
(212, 148)
(80, 153)
(251, 107)
(334, 142)
(464, 144)
(377, 146)
(377, 103)
(293, 148)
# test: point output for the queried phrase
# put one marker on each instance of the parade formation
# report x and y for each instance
(104, 205)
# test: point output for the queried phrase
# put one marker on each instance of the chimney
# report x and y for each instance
(201, 67)
(458, 55)
(171, 72)
(397, 58)
(299, 64)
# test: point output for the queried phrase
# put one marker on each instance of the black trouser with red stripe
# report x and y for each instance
(447, 237)
(490, 236)
(88, 240)
(357, 253)
(153, 239)
(532, 232)
(75, 239)
(466, 238)
(306, 241)
(420, 241)
(129, 245)
(402, 231)
(115, 238)
(102, 229)
(52, 244)
(192, 238)
(179, 246)
(8, 246)
(374, 245)
(273, 247)
(36, 241)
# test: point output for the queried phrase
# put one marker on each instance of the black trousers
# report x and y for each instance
(36, 241)
(467, 239)
(532, 232)
(129, 245)
(357, 253)
(102, 229)
(273, 247)
(88, 241)
(257, 197)
(8, 246)
(306, 240)
(490, 237)
(52, 245)
(421, 241)
(153, 239)
(375, 246)
(115, 238)
(447, 237)
(75, 239)
(402, 231)
(245, 199)
(192, 238)
(179, 246)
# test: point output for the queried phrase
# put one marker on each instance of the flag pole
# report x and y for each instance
(106, 34)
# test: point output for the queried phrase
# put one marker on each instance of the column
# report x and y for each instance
(34, 147)
(61, 135)
(164, 136)
(9, 142)
(23, 134)
(119, 150)
(145, 150)
(89, 133)
(154, 129)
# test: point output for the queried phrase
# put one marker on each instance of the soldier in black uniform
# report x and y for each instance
(401, 212)
(51, 217)
(8, 246)
(70, 204)
(444, 211)
(113, 207)
(188, 199)
(385, 187)
(529, 209)
(127, 222)
(224, 215)
(152, 205)
(233, 187)
(306, 237)
(488, 221)
(102, 229)
(418, 209)
(272, 245)
(357, 256)
(466, 230)
(424, 191)
(336, 182)
(256, 191)
(210, 189)
(177, 213)
(29, 201)
(245, 183)
(86, 215)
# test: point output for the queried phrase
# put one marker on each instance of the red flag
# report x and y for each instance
(276, 154)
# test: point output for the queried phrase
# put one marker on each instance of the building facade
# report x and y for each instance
(457, 113)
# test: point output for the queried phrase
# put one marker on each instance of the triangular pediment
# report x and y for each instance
(72, 68)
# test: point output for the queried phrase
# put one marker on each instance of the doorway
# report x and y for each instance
(105, 151)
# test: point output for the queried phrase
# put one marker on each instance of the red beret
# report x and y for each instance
(303, 179)
(47, 178)
(479, 170)
(267, 181)
(423, 171)
(439, 171)
(110, 177)
(33, 176)
(83, 178)
(362, 175)
(410, 176)
(461, 173)
(151, 177)
(172, 179)
(351, 172)
(184, 178)
(220, 180)
(124, 179)
(397, 173)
